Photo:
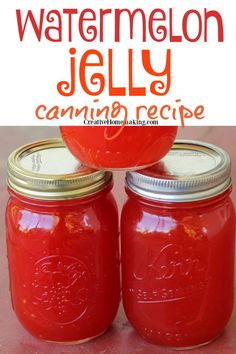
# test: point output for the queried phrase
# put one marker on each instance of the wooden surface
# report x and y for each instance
(121, 338)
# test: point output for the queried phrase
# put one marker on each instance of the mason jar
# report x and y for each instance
(119, 148)
(62, 238)
(178, 234)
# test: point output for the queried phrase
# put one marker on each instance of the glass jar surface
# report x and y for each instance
(63, 247)
(178, 247)
(123, 148)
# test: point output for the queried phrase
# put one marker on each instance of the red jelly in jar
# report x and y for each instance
(62, 237)
(119, 147)
(178, 234)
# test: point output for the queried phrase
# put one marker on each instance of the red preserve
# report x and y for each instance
(62, 237)
(178, 234)
(126, 147)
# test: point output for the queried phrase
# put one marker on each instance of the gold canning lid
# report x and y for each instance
(47, 170)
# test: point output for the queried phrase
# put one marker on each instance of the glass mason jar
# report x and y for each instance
(62, 238)
(119, 148)
(178, 234)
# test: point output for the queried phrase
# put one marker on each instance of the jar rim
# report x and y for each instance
(46, 170)
(191, 171)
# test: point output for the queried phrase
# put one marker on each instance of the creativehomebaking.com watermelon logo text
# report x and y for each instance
(91, 72)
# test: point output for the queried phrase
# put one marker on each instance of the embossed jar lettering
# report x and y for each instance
(61, 288)
(170, 273)
(172, 261)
